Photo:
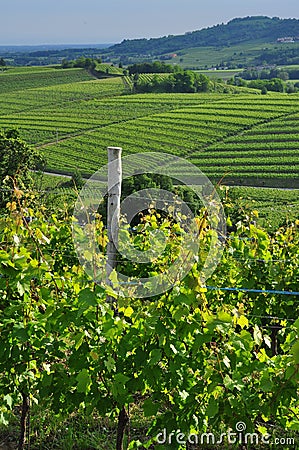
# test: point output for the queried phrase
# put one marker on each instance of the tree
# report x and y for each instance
(135, 80)
(66, 64)
(264, 90)
(290, 88)
(17, 159)
(202, 83)
(2, 62)
(184, 81)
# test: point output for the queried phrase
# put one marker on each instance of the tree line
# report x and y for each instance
(270, 73)
(152, 67)
(180, 81)
(265, 85)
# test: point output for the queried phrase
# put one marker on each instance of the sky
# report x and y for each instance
(33, 22)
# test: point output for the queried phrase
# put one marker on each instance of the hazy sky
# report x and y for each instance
(107, 21)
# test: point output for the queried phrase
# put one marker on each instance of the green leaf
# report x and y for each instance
(262, 355)
(213, 407)
(84, 381)
(185, 299)
(155, 356)
(78, 338)
(262, 430)
(266, 384)
(87, 298)
(295, 352)
(296, 324)
(120, 378)
(110, 364)
(21, 334)
(150, 408)
(228, 382)
(113, 277)
(179, 313)
(119, 388)
(224, 316)
(199, 341)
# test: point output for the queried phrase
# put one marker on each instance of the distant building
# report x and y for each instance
(169, 56)
(286, 40)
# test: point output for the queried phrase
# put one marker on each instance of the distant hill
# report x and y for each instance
(48, 47)
(242, 42)
(47, 54)
(237, 31)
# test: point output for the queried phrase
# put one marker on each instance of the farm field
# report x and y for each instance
(28, 79)
(217, 136)
(205, 57)
(222, 74)
(248, 138)
(109, 69)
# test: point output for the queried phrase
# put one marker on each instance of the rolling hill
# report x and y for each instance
(237, 31)
(239, 43)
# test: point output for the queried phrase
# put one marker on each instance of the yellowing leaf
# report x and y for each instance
(201, 289)
(41, 237)
(12, 206)
(113, 277)
(241, 308)
(94, 355)
(262, 430)
(128, 311)
(242, 321)
(224, 316)
(262, 355)
(18, 193)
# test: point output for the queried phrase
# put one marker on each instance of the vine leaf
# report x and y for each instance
(84, 381)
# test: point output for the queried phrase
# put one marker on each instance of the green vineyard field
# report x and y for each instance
(19, 81)
(249, 138)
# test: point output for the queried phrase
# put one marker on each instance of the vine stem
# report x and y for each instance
(123, 419)
(25, 410)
